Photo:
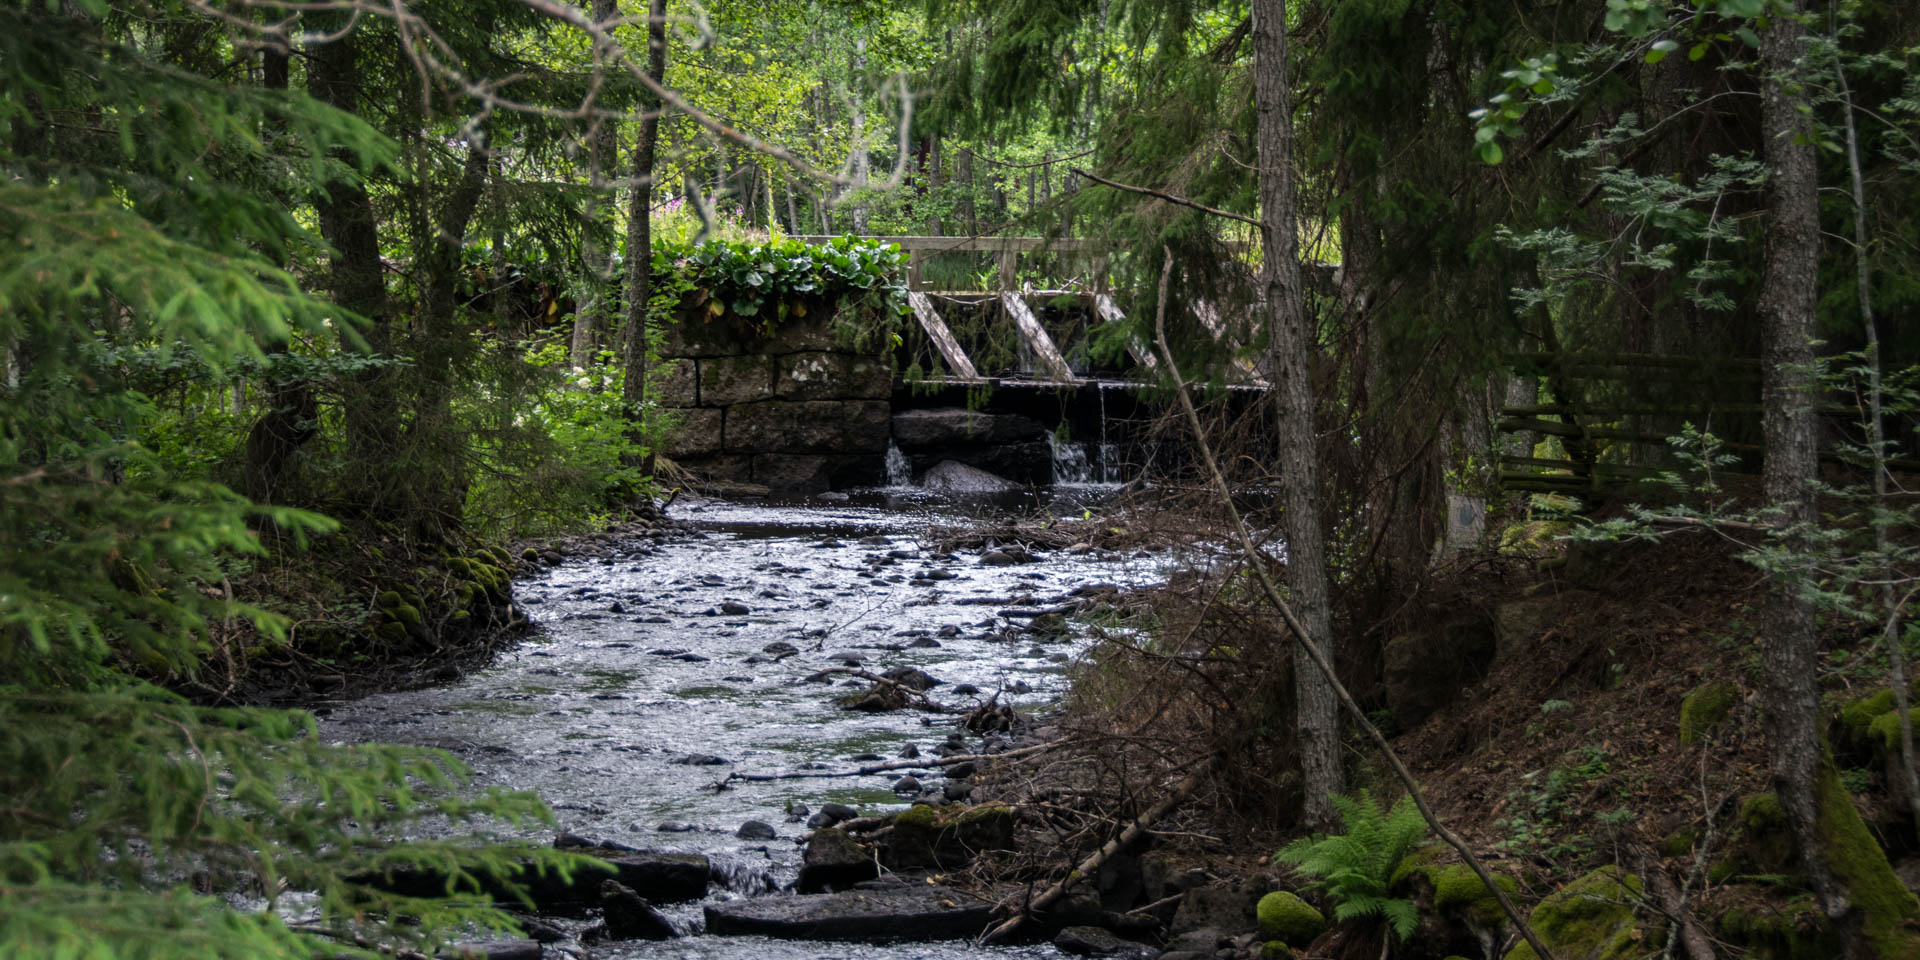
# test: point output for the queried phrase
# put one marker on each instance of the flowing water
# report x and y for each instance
(658, 671)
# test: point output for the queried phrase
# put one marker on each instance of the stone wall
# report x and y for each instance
(791, 411)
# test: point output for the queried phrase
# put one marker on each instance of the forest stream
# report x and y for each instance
(664, 665)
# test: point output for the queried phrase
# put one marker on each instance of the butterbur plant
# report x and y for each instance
(1355, 869)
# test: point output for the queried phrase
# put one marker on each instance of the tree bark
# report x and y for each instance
(1788, 292)
(1317, 717)
(357, 282)
(598, 261)
(634, 345)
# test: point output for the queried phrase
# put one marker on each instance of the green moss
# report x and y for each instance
(1886, 727)
(460, 565)
(1769, 929)
(1860, 714)
(921, 816)
(530, 554)
(1417, 862)
(1760, 844)
(407, 614)
(1589, 919)
(1679, 843)
(1704, 709)
(1288, 918)
(1276, 950)
(1861, 866)
(388, 599)
(1457, 889)
(392, 631)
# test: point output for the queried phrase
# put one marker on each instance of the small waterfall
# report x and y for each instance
(1069, 462)
(1110, 463)
(899, 471)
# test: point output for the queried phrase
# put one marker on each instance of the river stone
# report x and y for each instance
(493, 950)
(874, 916)
(955, 477)
(997, 558)
(1098, 942)
(839, 811)
(912, 678)
(1226, 906)
(833, 859)
(630, 917)
(952, 426)
(907, 784)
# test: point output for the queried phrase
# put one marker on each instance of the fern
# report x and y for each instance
(1353, 869)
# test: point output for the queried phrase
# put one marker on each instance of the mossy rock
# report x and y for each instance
(389, 599)
(460, 565)
(530, 555)
(1416, 862)
(1276, 950)
(927, 836)
(1457, 889)
(1589, 919)
(1287, 918)
(1760, 843)
(407, 614)
(1773, 930)
(1679, 843)
(1705, 708)
(1886, 727)
(392, 631)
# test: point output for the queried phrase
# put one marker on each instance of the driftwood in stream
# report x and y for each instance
(901, 692)
(918, 763)
(1091, 865)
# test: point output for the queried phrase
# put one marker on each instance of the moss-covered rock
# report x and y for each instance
(1679, 843)
(1705, 708)
(1276, 950)
(1760, 843)
(407, 614)
(1589, 919)
(1458, 890)
(388, 599)
(925, 836)
(1885, 728)
(1289, 919)
(1770, 928)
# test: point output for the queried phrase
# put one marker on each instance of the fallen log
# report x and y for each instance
(918, 763)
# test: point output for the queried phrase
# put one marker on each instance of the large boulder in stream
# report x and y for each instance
(659, 877)
(882, 915)
(955, 477)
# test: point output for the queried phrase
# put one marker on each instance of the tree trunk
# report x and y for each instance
(635, 345)
(604, 134)
(860, 161)
(292, 417)
(1317, 718)
(357, 283)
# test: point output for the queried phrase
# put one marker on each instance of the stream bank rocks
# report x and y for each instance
(874, 912)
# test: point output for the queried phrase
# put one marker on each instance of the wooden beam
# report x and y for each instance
(942, 338)
(1109, 312)
(1210, 318)
(1036, 335)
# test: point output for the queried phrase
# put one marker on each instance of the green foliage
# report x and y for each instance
(1591, 917)
(767, 282)
(1354, 869)
(1703, 709)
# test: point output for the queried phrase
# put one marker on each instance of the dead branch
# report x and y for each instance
(1170, 198)
(1091, 864)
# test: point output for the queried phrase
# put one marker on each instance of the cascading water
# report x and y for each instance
(899, 471)
(1069, 462)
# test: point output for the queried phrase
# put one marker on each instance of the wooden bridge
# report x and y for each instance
(1042, 361)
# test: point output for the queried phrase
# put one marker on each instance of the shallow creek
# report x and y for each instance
(645, 661)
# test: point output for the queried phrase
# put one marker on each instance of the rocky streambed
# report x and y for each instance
(675, 669)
